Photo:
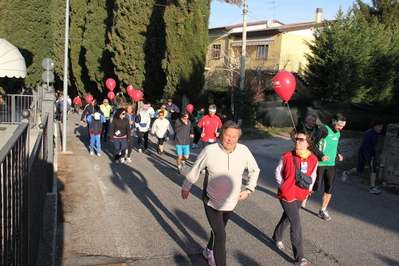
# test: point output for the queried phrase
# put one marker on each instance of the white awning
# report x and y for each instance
(254, 41)
(12, 63)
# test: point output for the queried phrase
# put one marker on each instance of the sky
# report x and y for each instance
(285, 11)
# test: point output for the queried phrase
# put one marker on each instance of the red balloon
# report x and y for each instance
(111, 95)
(111, 84)
(284, 85)
(137, 95)
(190, 108)
(89, 98)
(130, 90)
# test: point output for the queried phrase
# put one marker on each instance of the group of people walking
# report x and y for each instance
(314, 154)
(223, 161)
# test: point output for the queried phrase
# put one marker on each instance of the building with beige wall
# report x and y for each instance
(271, 46)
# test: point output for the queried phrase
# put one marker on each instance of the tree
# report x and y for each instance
(351, 60)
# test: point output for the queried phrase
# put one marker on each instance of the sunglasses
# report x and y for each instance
(300, 139)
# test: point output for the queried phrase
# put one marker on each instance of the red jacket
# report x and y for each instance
(288, 190)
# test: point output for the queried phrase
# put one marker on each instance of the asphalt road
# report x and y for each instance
(133, 214)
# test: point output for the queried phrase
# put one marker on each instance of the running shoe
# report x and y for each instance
(128, 160)
(145, 151)
(140, 151)
(122, 160)
(302, 262)
(374, 190)
(279, 244)
(324, 215)
(208, 254)
(183, 165)
(92, 153)
(98, 154)
(345, 176)
(116, 161)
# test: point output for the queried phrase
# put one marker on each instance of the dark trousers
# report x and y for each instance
(197, 134)
(141, 136)
(217, 242)
(105, 130)
(130, 146)
(120, 145)
(291, 217)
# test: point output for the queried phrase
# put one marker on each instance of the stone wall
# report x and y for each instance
(389, 167)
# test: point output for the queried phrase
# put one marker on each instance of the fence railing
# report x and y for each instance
(13, 104)
(25, 180)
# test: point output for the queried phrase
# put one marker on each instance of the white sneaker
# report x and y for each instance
(128, 160)
(374, 190)
(324, 215)
(279, 244)
(122, 160)
(98, 154)
(183, 165)
(92, 153)
(140, 151)
(208, 254)
(345, 176)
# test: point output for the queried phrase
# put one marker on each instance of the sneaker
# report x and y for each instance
(167, 139)
(302, 262)
(193, 146)
(183, 165)
(145, 151)
(304, 203)
(116, 161)
(374, 190)
(92, 153)
(128, 160)
(122, 160)
(279, 244)
(323, 215)
(140, 151)
(160, 152)
(179, 171)
(98, 154)
(208, 254)
(345, 176)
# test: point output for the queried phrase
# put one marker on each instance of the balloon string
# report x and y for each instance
(289, 110)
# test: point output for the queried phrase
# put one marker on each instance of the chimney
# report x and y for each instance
(319, 14)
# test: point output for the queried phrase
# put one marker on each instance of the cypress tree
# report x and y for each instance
(27, 27)
(187, 40)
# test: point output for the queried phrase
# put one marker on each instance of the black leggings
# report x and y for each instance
(140, 136)
(217, 241)
(326, 174)
(291, 217)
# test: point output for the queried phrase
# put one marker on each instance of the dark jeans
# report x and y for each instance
(120, 145)
(141, 136)
(217, 241)
(291, 217)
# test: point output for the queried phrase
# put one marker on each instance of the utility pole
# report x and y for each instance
(65, 90)
(244, 44)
